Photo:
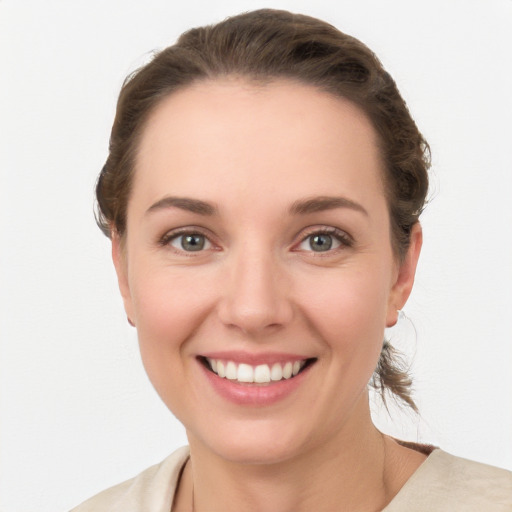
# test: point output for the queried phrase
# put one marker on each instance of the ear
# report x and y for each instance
(121, 266)
(405, 276)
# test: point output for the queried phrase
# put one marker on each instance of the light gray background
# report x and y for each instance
(77, 412)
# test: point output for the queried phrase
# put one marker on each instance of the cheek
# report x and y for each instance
(349, 295)
(168, 309)
(349, 312)
(167, 300)
(347, 316)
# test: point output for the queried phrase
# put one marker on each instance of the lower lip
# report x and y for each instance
(254, 394)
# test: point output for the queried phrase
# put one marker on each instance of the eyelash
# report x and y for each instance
(344, 239)
(167, 239)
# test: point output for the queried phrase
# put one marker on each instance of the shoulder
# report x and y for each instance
(446, 483)
(153, 489)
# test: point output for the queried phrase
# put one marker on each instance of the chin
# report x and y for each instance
(256, 442)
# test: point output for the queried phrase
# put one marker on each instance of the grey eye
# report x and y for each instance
(191, 243)
(320, 242)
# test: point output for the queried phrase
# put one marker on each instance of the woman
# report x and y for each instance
(262, 194)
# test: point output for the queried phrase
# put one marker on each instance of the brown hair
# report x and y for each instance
(264, 45)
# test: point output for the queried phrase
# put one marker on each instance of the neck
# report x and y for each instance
(357, 470)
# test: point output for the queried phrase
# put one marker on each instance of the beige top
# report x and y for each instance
(443, 483)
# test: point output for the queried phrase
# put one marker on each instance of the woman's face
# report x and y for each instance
(258, 245)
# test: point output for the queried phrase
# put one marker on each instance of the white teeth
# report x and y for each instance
(276, 372)
(260, 374)
(287, 370)
(231, 371)
(245, 373)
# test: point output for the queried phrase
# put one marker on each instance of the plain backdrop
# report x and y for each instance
(77, 413)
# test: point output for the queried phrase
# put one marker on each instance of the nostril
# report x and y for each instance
(266, 317)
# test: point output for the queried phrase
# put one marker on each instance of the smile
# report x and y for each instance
(255, 380)
(260, 374)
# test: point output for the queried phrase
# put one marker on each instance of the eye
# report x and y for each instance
(189, 242)
(324, 241)
(319, 242)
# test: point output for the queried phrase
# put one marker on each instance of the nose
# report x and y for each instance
(255, 298)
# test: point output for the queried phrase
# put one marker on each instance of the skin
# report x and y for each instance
(252, 152)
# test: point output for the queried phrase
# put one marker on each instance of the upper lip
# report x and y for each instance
(251, 358)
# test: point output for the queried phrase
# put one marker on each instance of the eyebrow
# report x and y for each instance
(322, 203)
(184, 203)
(300, 207)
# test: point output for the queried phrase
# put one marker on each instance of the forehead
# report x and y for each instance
(234, 132)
